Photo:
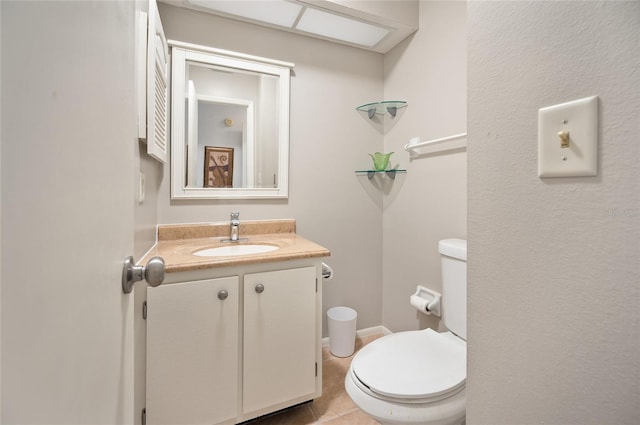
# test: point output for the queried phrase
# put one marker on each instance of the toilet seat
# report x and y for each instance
(412, 366)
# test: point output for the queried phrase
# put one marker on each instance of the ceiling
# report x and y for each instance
(371, 25)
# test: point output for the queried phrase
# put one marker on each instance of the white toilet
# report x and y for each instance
(418, 377)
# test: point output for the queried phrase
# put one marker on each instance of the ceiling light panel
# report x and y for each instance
(275, 12)
(340, 28)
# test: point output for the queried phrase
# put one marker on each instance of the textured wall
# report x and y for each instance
(554, 274)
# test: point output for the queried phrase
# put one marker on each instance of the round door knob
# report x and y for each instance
(259, 288)
(154, 271)
(222, 295)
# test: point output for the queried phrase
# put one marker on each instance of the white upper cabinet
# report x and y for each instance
(153, 83)
(157, 87)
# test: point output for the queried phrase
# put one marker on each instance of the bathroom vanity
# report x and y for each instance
(232, 337)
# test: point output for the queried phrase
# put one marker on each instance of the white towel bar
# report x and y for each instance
(436, 145)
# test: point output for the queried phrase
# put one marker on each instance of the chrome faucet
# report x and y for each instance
(235, 227)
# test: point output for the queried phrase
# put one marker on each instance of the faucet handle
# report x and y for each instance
(235, 216)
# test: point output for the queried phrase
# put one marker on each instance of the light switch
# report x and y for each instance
(568, 139)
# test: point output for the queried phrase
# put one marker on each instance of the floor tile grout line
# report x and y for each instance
(340, 415)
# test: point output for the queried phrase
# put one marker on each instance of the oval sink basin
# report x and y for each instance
(229, 250)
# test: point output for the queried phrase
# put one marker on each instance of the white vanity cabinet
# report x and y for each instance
(219, 357)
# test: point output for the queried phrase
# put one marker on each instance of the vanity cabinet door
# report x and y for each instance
(192, 352)
(279, 338)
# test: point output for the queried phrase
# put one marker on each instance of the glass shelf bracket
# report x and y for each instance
(387, 106)
(390, 173)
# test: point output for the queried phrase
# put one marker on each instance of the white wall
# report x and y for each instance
(429, 203)
(554, 275)
(329, 141)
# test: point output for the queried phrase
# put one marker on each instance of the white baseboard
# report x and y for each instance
(362, 333)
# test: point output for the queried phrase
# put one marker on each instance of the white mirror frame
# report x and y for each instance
(180, 54)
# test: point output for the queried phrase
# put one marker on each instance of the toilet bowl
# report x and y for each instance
(413, 377)
(418, 377)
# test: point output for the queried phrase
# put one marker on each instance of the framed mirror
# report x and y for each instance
(229, 124)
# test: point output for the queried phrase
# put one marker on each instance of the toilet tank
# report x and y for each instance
(453, 255)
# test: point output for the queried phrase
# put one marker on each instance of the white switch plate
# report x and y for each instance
(580, 119)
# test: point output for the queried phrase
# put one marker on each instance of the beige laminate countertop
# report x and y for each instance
(177, 243)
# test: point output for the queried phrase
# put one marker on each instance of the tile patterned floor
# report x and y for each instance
(334, 407)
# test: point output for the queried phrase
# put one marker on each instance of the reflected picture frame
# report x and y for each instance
(218, 166)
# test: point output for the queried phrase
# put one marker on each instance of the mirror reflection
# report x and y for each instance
(230, 130)
(223, 122)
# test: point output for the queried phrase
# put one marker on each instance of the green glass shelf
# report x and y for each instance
(383, 107)
(390, 173)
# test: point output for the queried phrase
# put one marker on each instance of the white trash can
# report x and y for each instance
(342, 331)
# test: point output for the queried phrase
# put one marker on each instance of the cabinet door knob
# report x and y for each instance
(222, 295)
(259, 288)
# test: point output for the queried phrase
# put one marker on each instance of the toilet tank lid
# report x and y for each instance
(456, 248)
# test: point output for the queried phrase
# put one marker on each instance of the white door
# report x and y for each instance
(68, 133)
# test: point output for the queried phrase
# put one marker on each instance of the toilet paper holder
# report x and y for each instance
(426, 301)
(327, 271)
